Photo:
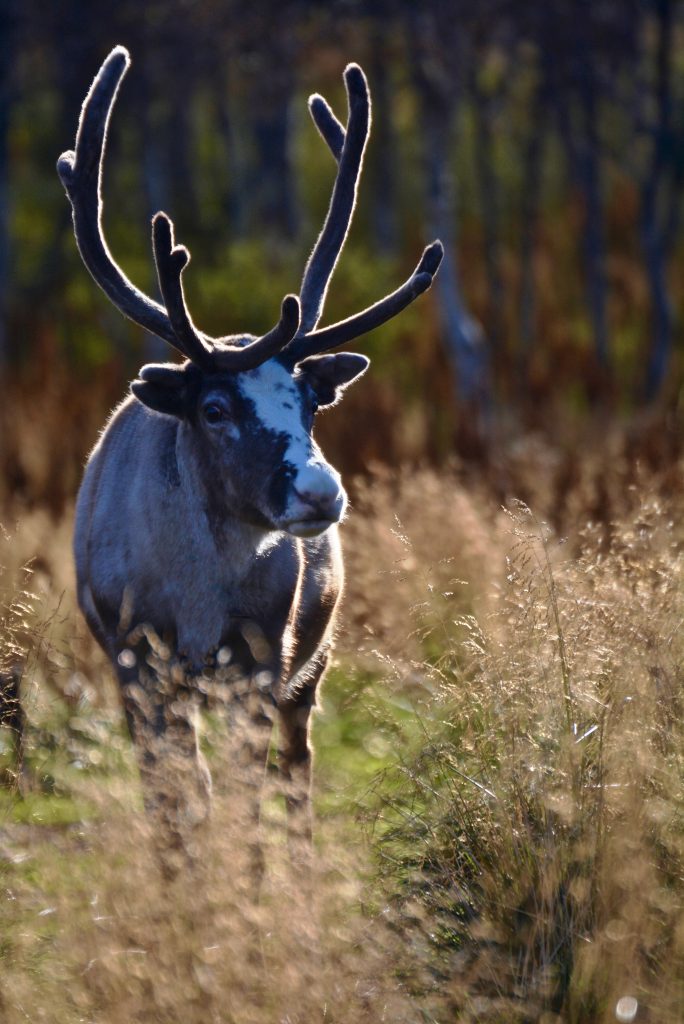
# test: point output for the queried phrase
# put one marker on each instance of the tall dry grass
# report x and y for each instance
(530, 832)
(90, 929)
(92, 932)
(524, 849)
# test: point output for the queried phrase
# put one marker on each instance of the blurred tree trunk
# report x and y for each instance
(591, 179)
(462, 334)
(271, 96)
(434, 57)
(660, 210)
(75, 59)
(533, 156)
(7, 49)
(383, 163)
(154, 165)
(573, 93)
(583, 149)
(167, 126)
(234, 174)
(165, 85)
(490, 208)
(180, 142)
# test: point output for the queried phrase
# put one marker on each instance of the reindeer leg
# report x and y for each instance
(174, 776)
(295, 768)
(251, 727)
(295, 772)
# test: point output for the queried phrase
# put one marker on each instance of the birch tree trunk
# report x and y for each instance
(490, 211)
(439, 94)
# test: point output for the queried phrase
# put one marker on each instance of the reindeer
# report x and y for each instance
(207, 520)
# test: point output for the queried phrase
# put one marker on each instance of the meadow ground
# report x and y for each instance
(498, 785)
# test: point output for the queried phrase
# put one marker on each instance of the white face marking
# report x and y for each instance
(277, 404)
(316, 498)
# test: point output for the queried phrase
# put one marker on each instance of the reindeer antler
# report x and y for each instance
(321, 265)
(171, 260)
(347, 146)
(81, 173)
(296, 338)
(382, 311)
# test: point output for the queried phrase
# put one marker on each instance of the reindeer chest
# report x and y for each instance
(213, 599)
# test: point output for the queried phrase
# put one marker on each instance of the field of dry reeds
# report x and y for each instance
(498, 780)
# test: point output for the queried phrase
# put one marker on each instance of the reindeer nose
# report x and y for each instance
(320, 490)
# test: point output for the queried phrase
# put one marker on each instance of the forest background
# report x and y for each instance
(544, 143)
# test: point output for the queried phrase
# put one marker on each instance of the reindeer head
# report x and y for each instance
(246, 404)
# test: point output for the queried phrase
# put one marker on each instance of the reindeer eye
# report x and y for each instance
(213, 413)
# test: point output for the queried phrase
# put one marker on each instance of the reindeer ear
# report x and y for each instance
(162, 387)
(168, 375)
(329, 375)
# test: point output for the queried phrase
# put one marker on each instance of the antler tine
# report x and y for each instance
(344, 331)
(327, 124)
(350, 146)
(171, 260)
(247, 357)
(81, 173)
(347, 147)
